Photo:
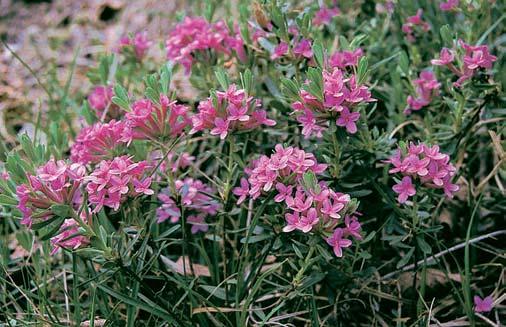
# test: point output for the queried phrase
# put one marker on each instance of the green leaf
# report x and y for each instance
(121, 97)
(256, 238)
(151, 307)
(446, 35)
(290, 88)
(247, 81)
(404, 63)
(215, 291)
(61, 210)
(222, 78)
(405, 258)
(319, 54)
(7, 200)
(362, 71)
(424, 246)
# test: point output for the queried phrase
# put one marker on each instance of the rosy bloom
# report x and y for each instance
(196, 199)
(485, 305)
(198, 224)
(148, 120)
(284, 192)
(340, 96)
(100, 141)
(232, 110)
(353, 227)
(426, 87)
(446, 57)
(405, 189)
(303, 49)
(477, 56)
(69, 236)
(338, 242)
(194, 36)
(243, 191)
(343, 59)
(55, 183)
(324, 16)
(308, 220)
(112, 182)
(100, 100)
(280, 50)
(413, 22)
(139, 42)
(347, 119)
(449, 5)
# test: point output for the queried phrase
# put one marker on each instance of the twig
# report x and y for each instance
(431, 259)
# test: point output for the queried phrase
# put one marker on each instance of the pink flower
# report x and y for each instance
(280, 50)
(195, 198)
(307, 222)
(477, 56)
(100, 100)
(192, 37)
(55, 183)
(69, 236)
(338, 242)
(303, 48)
(100, 142)
(449, 5)
(198, 224)
(426, 88)
(484, 305)
(139, 42)
(405, 189)
(345, 59)
(446, 57)
(353, 227)
(284, 192)
(414, 21)
(243, 191)
(148, 120)
(340, 95)
(347, 119)
(112, 182)
(232, 111)
(324, 16)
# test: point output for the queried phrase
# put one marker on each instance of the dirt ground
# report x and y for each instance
(46, 34)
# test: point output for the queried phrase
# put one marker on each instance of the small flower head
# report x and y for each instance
(483, 305)
(338, 242)
(324, 16)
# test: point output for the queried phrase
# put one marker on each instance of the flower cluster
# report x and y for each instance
(100, 141)
(340, 96)
(324, 15)
(474, 58)
(231, 110)
(148, 120)
(68, 236)
(196, 199)
(310, 205)
(113, 181)
(55, 183)
(100, 100)
(449, 5)
(196, 35)
(414, 21)
(426, 87)
(347, 58)
(139, 42)
(426, 163)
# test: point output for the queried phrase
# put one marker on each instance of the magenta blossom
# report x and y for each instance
(69, 236)
(405, 189)
(198, 224)
(449, 5)
(338, 242)
(343, 59)
(426, 87)
(99, 142)
(303, 49)
(100, 100)
(425, 163)
(413, 22)
(280, 50)
(149, 120)
(324, 15)
(113, 181)
(55, 183)
(139, 42)
(446, 57)
(340, 96)
(234, 111)
(484, 305)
